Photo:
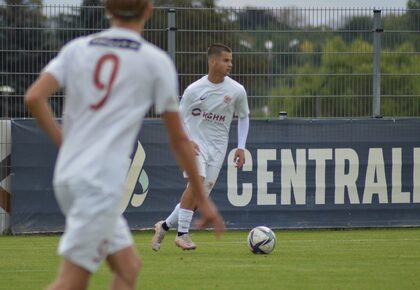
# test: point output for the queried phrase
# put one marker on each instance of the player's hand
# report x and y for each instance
(210, 216)
(196, 148)
(239, 158)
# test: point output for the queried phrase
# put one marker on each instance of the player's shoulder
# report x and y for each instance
(235, 85)
(155, 53)
(72, 47)
(76, 43)
(79, 44)
(196, 85)
(156, 60)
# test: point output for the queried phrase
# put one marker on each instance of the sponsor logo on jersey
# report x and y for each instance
(227, 99)
(196, 112)
(202, 98)
(208, 116)
(116, 42)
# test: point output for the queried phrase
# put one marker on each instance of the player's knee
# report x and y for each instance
(137, 265)
(134, 270)
(131, 270)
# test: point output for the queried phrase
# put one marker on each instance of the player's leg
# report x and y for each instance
(185, 207)
(162, 227)
(70, 277)
(90, 222)
(172, 220)
(126, 265)
(123, 258)
(186, 212)
(188, 206)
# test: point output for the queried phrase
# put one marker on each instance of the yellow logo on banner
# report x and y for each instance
(136, 174)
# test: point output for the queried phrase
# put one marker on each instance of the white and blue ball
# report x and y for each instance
(261, 240)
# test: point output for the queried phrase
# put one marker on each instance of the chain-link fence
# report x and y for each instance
(309, 62)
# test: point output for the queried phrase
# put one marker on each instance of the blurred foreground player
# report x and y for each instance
(111, 80)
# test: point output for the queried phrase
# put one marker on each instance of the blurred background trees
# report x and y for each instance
(21, 54)
(288, 59)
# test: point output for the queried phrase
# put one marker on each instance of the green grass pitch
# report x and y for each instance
(314, 259)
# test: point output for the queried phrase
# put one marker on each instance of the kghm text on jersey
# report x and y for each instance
(116, 42)
(208, 116)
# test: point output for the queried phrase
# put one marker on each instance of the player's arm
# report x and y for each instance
(243, 128)
(182, 148)
(242, 110)
(50, 81)
(36, 98)
(183, 152)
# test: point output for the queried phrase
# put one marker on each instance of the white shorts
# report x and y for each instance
(209, 172)
(94, 226)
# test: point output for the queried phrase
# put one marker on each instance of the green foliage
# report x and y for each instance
(93, 16)
(341, 86)
(413, 4)
(72, 23)
(357, 23)
(21, 51)
(323, 72)
(198, 28)
(400, 78)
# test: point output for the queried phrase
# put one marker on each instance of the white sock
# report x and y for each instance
(172, 219)
(184, 220)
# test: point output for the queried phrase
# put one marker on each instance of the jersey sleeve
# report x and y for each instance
(184, 107)
(58, 66)
(166, 87)
(241, 106)
(185, 102)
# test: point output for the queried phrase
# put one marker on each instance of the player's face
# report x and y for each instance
(223, 63)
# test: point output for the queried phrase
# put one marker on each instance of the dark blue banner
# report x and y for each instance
(298, 174)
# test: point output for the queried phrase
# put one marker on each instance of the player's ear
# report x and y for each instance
(211, 60)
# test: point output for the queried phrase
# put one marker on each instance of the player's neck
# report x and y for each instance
(136, 26)
(215, 78)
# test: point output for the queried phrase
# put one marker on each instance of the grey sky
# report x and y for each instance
(289, 3)
(316, 3)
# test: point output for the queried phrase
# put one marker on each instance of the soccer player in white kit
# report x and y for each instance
(208, 107)
(111, 80)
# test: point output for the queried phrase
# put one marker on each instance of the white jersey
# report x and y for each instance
(208, 110)
(111, 79)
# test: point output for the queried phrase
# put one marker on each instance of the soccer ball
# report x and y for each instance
(261, 240)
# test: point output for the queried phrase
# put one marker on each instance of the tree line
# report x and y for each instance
(284, 60)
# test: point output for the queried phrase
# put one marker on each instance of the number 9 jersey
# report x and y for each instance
(111, 79)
